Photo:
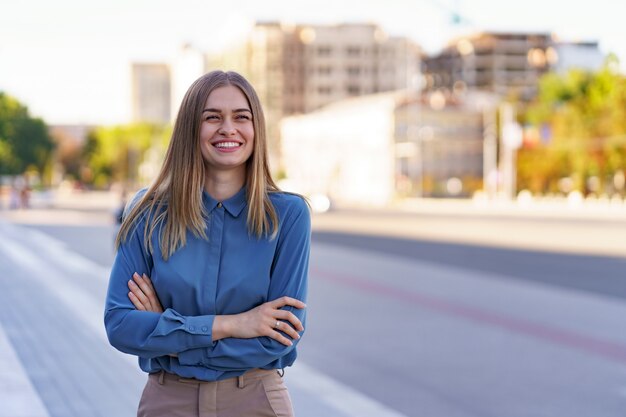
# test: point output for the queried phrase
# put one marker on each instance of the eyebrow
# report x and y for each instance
(234, 111)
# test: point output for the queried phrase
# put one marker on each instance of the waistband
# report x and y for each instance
(162, 377)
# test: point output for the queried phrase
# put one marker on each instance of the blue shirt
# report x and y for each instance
(230, 273)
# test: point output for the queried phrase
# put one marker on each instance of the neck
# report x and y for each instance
(221, 185)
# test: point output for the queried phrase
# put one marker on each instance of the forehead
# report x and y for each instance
(227, 97)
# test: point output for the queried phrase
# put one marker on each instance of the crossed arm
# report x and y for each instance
(264, 320)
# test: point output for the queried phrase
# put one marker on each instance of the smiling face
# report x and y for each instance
(227, 131)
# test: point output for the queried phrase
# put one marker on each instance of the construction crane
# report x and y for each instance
(456, 19)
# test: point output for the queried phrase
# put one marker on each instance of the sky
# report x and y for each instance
(69, 60)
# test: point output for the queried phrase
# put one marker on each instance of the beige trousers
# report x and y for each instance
(257, 393)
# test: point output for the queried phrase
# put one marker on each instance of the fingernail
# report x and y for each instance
(135, 274)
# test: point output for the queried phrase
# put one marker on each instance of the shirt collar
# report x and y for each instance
(234, 205)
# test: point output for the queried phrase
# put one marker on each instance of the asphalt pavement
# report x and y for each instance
(400, 323)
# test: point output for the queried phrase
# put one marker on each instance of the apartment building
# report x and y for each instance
(150, 92)
(508, 64)
(502, 63)
(352, 60)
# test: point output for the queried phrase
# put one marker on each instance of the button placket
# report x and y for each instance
(215, 245)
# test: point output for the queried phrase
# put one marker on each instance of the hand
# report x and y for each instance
(262, 321)
(142, 294)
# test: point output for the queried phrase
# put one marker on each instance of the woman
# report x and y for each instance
(210, 277)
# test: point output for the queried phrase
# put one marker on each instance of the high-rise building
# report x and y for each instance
(502, 63)
(150, 93)
(352, 60)
(309, 66)
(300, 68)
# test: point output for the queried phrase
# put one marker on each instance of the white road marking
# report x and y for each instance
(17, 395)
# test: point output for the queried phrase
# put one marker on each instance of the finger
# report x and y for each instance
(280, 338)
(154, 298)
(287, 329)
(147, 278)
(287, 301)
(134, 288)
(291, 318)
(146, 290)
(144, 285)
(136, 302)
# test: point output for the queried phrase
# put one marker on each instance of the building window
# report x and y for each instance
(353, 51)
(324, 70)
(353, 90)
(353, 71)
(324, 90)
(324, 50)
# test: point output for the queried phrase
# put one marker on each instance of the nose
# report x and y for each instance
(227, 128)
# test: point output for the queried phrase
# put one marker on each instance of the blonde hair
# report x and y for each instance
(173, 203)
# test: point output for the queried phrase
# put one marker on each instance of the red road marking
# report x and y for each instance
(609, 350)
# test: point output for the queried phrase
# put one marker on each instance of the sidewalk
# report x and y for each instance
(56, 360)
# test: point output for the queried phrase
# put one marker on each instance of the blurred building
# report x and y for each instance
(276, 67)
(369, 150)
(150, 96)
(581, 55)
(508, 64)
(344, 150)
(349, 60)
(440, 144)
(188, 65)
(502, 63)
(300, 68)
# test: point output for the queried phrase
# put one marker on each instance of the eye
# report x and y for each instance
(211, 117)
(243, 117)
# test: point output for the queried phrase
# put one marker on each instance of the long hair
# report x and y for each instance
(173, 203)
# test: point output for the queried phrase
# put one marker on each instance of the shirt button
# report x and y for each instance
(205, 329)
(219, 205)
(192, 328)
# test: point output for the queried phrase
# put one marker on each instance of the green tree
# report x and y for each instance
(114, 154)
(24, 141)
(586, 112)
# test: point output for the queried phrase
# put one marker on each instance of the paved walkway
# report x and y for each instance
(56, 361)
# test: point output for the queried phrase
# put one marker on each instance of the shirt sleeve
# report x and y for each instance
(289, 276)
(145, 333)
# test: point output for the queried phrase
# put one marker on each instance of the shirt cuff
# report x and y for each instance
(171, 321)
(202, 325)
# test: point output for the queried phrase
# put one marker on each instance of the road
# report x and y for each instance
(423, 324)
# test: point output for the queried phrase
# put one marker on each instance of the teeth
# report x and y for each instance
(227, 145)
